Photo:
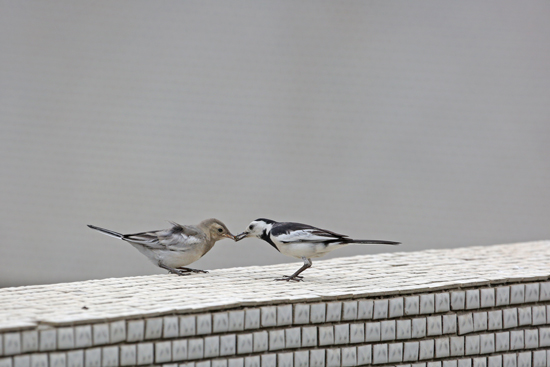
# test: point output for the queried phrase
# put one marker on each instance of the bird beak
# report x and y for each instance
(240, 236)
(229, 235)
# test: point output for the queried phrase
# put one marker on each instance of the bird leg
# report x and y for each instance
(173, 271)
(296, 277)
(192, 270)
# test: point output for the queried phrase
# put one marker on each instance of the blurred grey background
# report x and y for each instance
(422, 122)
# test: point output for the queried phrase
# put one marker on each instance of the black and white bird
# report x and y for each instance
(301, 241)
(175, 248)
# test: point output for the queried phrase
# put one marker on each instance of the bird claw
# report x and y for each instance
(287, 278)
(189, 270)
(178, 272)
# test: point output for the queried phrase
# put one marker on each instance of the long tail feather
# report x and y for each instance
(374, 242)
(107, 231)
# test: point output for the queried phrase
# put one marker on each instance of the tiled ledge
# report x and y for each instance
(432, 306)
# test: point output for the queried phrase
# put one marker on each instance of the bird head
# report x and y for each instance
(256, 228)
(218, 230)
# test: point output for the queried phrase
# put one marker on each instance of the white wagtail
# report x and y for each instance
(301, 241)
(174, 248)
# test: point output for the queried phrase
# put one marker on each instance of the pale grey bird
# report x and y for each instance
(174, 248)
(301, 241)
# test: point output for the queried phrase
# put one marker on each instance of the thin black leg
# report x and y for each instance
(173, 271)
(192, 270)
(296, 277)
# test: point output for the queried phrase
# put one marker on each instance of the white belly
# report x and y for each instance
(306, 249)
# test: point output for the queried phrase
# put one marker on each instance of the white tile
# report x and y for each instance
(494, 320)
(539, 315)
(517, 294)
(23, 361)
(341, 334)
(457, 346)
(236, 320)
(334, 311)
(317, 312)
(75, 358)
(418, 328)
(109, 356)
(423, 364)
(301, 314)
(41, 360)
(237, 362)
(211, 346)
(434, 326)
(65, 338)
(251, 361)
(268, 360)
(187, 326)
(487, 297)
(387, 330)
(502, 341)
(309, 336)
(47, 341)
(412, 305)
(433, 364)
(128, 355)
(426, 350)
(531, 292)
(427, 303)
(524, 359)
(509, 360)
(403, 329)
(316, 358)
(471, 345)
(284, 315)
(200, 364)
(510, 317)
(364, 355)
(349, 310)
(531, 339)
(357, 333)
(442, 347)
(365, 310)
(539, 358)
(228, 344)
(480, 321)
(244, 343)
(153, 328)
(544, 293)
(396, 307)
(465, 323)
(479, 362)
(472, 299)
(252, 318)
(326, 335)
(179, 350)
(58, 360)
(380, 309)
(220, 322)
(372, 331)
(487, 343)
(395, 352)
(92, 357)
(458, 300)
(503, 296)
(204, 324)
(494, 361)
(442, 302)
(333, 358)
(410, 351)
(379, 353)
(524, 316)
(292, 337)
(215, 363)
(349, 356)
(195, 348)
(261, 341)
(276, 339)
(449, 324)
(450, 363)
(117, 331)
(466, 362)
(12, 343)
(301, 358)
(516, 340)
(285, 359)
(29, 341)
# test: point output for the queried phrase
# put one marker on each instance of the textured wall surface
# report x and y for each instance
(420, 122)
(467, 307)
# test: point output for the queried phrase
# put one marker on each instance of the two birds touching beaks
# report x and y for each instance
(175, 248)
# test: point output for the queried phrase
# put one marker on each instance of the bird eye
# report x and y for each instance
(220, 230)
(251, 227)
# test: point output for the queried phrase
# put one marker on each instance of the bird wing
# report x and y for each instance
(297, 232)
(179, 237)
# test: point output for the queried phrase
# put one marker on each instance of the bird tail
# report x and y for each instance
(373, 242)
(107, 231)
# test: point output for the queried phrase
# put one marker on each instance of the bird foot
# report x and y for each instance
(179, 272)
(189, 270)
(297, 278)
